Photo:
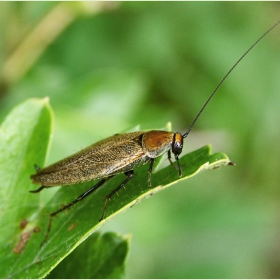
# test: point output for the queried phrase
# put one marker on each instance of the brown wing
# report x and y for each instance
(110, 156)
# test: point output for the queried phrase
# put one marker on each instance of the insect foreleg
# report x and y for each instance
(178, 163)
(150, 172)
(179, 166)
(170, 159)
(129, 175)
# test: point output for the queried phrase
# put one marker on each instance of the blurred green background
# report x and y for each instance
(110, 66)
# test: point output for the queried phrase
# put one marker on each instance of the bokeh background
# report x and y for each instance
(110, 66)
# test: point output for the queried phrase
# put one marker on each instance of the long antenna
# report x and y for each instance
(224, 78)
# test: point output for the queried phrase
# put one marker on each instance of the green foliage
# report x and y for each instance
(101, 256)
(24, 140)
(25, 134)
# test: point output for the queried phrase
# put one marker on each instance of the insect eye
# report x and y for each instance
(177, 143)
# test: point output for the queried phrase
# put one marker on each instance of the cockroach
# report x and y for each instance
(120, 153)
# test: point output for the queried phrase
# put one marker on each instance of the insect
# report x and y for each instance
(120, 153)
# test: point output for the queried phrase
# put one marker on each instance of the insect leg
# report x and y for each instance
(170, 160)
(178, 163)
(38, 190)
(81, 197)
(179, 166)
(150, 172)
(129, 175)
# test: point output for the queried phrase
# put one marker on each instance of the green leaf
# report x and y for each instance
(100, 256)
(24, 137)
(29, 129)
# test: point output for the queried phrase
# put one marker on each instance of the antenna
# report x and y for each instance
(225, 77)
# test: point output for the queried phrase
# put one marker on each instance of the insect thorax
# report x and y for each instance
(156, 142)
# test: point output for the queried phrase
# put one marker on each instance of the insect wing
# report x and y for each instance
(105, 158)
